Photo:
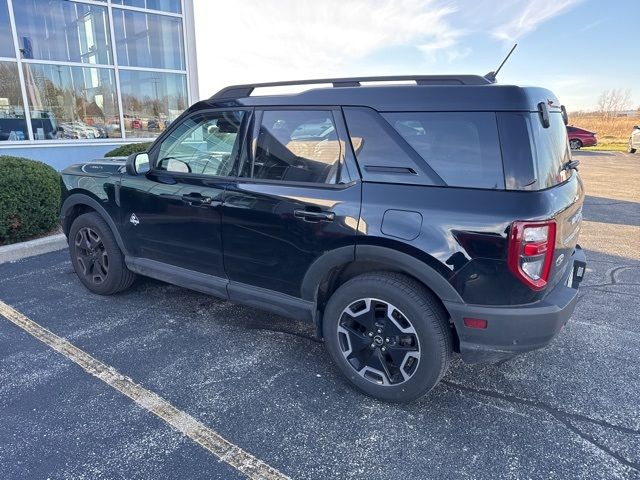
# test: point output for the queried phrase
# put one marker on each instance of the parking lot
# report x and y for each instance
(265, 384)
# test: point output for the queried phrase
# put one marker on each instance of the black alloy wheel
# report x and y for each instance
(388, 334)
(91, 256)
(379, 341)
(96, 256)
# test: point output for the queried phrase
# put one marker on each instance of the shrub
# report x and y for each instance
(29, 199)
(126, 150)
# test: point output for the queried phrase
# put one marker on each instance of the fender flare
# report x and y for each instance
(383, 255)
(83, 199)
(321, 267)
(412, 266)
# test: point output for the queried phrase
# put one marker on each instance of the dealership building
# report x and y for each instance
(78, 78)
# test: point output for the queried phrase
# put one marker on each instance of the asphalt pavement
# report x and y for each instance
(265, 384)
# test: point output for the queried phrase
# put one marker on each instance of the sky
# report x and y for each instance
(577, 48)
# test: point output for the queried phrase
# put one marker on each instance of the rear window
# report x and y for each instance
(551, 150)
(463, 148)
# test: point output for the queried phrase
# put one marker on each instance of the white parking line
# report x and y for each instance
(226, 451)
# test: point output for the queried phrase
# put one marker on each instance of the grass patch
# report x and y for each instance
(608, 147)
(612, 131)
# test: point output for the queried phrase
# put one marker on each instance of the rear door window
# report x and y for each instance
(463, 148)
(296, 146)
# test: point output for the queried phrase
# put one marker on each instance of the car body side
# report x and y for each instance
(453, 240)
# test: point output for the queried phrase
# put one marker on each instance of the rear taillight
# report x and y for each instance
(530, 253)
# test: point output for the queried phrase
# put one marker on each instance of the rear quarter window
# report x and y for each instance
(551, 150)
(463, 148)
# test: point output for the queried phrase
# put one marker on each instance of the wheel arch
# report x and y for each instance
(334, 268)
(78, 204)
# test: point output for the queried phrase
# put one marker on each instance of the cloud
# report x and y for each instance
(261, 40)
(520, 17)
(591, 25)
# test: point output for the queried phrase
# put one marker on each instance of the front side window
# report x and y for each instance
(296, 146)
(63, 31)
(204, 144)
(462, 147)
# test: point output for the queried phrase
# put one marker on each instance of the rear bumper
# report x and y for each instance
(516, 329)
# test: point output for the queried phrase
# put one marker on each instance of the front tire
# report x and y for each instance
(575, 144)
(96, 257)
(631, 149)
(388, 335)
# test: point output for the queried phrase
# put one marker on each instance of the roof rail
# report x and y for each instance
(240, 91)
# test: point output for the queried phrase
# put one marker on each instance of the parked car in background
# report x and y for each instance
(153, 124)
(634, 139)
(579, 137)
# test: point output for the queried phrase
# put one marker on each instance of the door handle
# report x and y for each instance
(196, 200)
(311, 216)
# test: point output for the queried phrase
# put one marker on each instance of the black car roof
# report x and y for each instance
(429, 93)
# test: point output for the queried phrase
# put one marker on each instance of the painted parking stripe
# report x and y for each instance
(226, 451)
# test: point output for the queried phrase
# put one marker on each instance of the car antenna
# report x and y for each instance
(491, 76)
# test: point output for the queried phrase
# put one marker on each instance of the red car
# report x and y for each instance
(579, 137)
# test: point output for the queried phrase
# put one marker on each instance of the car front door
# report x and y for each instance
(297, 197)
(171, 214)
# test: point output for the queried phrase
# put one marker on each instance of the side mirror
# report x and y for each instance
(137, 163)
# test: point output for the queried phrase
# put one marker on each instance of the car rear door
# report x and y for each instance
(171, 214)
(296, 198)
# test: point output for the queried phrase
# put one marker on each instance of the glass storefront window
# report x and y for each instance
(72, 102)
(151, 101)
(6, 42)
(13, 126)
(148, 40)
(63, 31)
(171, 6)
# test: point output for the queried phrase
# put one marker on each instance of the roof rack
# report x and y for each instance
(240, 91)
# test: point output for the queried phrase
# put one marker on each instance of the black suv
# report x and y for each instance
(406, 221)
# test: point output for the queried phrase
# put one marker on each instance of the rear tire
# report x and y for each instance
(388, 335)
(575, 144)
(96, 257)
(631, 149)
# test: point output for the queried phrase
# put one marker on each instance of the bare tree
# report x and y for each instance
(612, 102)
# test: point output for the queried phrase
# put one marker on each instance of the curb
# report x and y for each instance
(18, 251)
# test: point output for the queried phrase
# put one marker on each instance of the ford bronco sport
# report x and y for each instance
(406, 221)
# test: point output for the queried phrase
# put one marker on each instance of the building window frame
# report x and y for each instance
(189, 72)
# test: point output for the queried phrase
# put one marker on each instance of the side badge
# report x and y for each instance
(133, 219)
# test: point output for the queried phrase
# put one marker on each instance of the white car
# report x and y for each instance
(634, 139)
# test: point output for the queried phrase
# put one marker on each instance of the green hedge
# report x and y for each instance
(29, 199)
(126, 150)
